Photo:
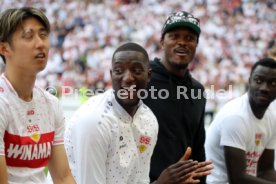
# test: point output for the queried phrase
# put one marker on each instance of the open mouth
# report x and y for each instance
(40, 56)
(181, 51)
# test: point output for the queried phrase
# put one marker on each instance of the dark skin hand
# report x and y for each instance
(184, 171)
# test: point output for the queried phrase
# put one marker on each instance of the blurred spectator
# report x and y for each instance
(85, 33)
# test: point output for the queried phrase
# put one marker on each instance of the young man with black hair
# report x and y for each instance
(31, 120)
(242, 138)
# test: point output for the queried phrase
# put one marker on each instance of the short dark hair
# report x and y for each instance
(267, 62)
(130, 46)
(11, 18)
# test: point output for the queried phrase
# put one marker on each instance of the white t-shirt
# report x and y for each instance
(27, 132)
(273, 107)
(105, 145)
(236, 126)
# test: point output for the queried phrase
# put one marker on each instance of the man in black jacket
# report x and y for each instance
(175, 97)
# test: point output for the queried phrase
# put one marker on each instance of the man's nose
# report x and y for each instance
(181, 41)
(128, 76)
(40, 42)
(264, 87)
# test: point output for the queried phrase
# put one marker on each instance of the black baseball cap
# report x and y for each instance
(181, 19)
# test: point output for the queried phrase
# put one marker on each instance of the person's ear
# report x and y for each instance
(4, 49)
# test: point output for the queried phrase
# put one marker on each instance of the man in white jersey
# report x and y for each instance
(110, 139)
(31, 120)
(241, 140)
(272, 54)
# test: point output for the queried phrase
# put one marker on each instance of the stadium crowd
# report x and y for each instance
(235, 33)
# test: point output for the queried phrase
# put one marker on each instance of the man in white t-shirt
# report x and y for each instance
(110, 138)
(31, 120)
(242, 138)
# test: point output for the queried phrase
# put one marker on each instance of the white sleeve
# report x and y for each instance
(86, 142)
(233, 132)
(272, 143)
(3, 125)
(59, 123)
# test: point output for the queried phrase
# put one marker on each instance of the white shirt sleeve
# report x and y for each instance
(233, 132)
(272, 142)
(3, 124)
(59, 123)
(86, 141)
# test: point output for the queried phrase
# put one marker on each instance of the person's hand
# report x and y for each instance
(180, 171)
(203, 169)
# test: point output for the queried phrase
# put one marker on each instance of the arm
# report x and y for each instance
(3, 170)
(266, 166)
(58, 163)
(235, 160)
(58, 166)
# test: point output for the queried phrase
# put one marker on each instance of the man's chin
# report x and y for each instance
(129, 102)
(179, 66)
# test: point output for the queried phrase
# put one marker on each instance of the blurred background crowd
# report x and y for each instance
(235, 34)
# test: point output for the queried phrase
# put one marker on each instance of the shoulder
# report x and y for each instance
(90, 116)
(196, 84)
(42, 94)
(232, 115)
(4, 93)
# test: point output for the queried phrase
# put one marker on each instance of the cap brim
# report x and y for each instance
(182, 25)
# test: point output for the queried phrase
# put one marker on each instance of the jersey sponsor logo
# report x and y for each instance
(28, 151)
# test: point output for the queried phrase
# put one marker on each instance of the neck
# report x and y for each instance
(131, 110)
(178, 70)
(22, 83)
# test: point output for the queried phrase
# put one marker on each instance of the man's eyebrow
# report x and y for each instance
(117, 62)
(25, 30)
(265, 76)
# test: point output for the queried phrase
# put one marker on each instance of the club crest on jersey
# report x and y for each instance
(31, 129)
(144, 141)
(258, 138)
(1, 90)
(142, 148)
(35, 137)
